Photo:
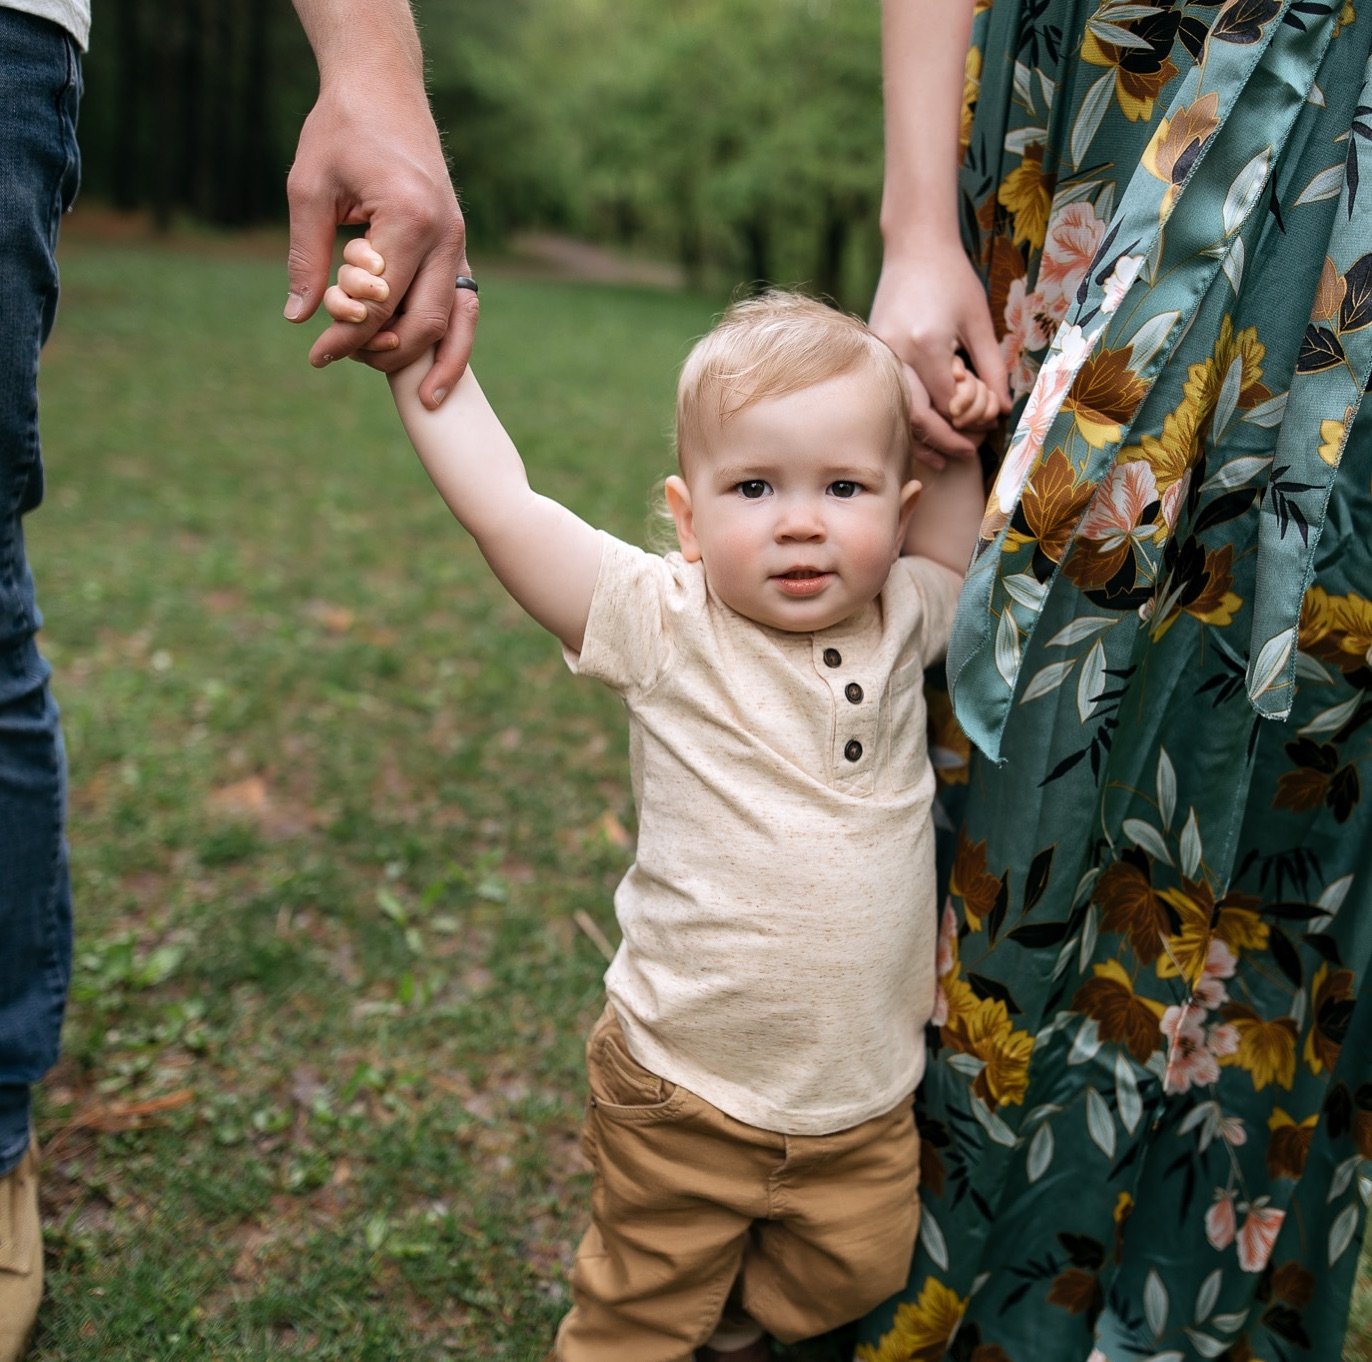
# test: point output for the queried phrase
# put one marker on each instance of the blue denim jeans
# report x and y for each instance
(40, 88)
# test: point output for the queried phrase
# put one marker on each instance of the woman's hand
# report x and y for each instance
(930, 305)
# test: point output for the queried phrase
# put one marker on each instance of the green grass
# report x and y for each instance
(336, 807)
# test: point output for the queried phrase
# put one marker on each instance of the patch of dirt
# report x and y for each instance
(548, 255)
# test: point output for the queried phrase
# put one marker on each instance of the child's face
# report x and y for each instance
(798, 505)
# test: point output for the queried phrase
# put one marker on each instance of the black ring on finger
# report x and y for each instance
(466, 281)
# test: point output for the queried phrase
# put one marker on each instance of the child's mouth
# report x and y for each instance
(804, 581)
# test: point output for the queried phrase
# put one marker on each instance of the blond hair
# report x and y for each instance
(774, 344)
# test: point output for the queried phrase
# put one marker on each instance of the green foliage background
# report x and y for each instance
(741, 138)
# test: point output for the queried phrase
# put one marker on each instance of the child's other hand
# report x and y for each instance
(973, 405)
(360, 282)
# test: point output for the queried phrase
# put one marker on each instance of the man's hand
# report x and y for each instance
(369, 153)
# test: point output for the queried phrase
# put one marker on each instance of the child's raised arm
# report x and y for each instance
(948, 514)
(546, 557)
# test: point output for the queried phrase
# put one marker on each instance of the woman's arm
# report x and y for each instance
(929, 301)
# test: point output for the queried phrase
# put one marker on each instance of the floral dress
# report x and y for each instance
(1148, 1110)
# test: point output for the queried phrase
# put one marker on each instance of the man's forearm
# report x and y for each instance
(351, 37)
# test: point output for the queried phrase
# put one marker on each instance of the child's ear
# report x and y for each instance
(909, 495)
(679, 504)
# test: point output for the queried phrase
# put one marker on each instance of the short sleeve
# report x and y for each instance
(627, 642)
(935, 590)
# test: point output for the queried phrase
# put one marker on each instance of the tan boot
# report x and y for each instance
(21, 1256)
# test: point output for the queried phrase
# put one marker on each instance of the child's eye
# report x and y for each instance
(844, 488)
(753, 488)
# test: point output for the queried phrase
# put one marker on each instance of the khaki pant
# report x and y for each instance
(693, 1211)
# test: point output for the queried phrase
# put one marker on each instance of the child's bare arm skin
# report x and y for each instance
(545, 556)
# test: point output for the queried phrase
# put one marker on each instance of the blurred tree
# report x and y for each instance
(192, 106)
(741, 136)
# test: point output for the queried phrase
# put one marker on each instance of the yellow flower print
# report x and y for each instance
(1347, 16)
(1170, 454)
(1331, 438)
(922, 1329)
(1104, 395)
(1028, 194)
(1201, 588)
(1186, 952)
(1337, 629)
(1177, 143)
(971, 87)
(1005, 1079)
(1266, 1049)
(1331, 993)
(1053, 500)
(1243, 345)
(985, 1032)
(962, 1003)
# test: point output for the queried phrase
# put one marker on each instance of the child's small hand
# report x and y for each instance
(973, 406)
(359, 282)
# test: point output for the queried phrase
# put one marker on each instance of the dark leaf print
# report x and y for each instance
(1035, 935)
(1062, 768)
(1293, 14)
(1037, 879)
(1350, 173)
(1083, 1250)
(1317, 756)
(1334, 1018)
(1320, 350)
(1323, 944)
(1018, 1294)
(1338, 1110)
(996, 919)
(1243, 22)
(1274, 205)
(992, 988)
(1284, 953)
(1230, 506)
(1299, 864)
(1356, 311)
(1286, 1323)
(1191, 34)
(1294, 912)
(1344, 792)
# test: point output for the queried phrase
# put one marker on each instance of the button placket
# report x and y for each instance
(854, 731)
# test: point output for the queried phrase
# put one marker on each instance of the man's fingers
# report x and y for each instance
(427, 310)
(308, 259)
(453, 351)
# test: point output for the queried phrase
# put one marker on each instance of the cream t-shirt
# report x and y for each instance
(779, 922)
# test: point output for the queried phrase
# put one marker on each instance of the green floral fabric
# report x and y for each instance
(1148, 1111)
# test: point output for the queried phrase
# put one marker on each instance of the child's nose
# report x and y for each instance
(799, 518)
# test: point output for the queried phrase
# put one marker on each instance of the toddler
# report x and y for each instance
(749, 1123)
